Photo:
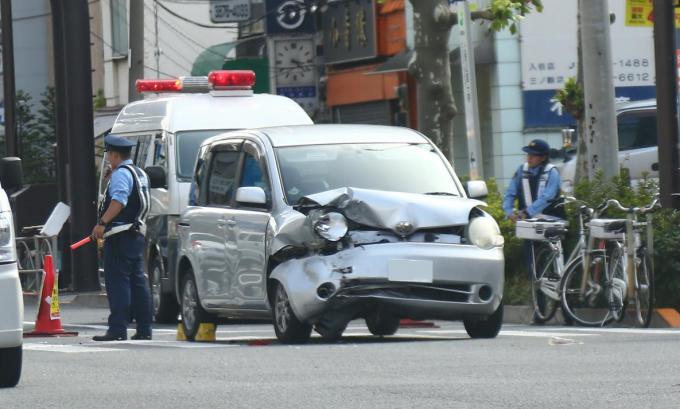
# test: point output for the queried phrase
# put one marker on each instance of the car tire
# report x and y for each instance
(165, 308)
(289, 330)
(487, 328)
(382, 323)
(193, 314)
(10, 366)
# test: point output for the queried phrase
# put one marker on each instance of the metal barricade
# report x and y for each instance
(31, 248)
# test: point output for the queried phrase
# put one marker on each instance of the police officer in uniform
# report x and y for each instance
(122, 217)
(536, 187)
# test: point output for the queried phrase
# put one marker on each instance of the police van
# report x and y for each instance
(168, 127)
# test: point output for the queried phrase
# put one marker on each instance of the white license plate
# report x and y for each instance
(414, 271)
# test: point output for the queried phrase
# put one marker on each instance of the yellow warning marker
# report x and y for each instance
(181, 336)
(206, 333)
(670, 315)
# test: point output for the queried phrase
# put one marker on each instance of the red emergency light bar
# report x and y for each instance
(158, 85)
(231, 79)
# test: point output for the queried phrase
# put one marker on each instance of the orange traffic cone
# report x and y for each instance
(48, 321)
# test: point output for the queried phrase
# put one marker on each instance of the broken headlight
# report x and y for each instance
(484, 233)
(332, 226)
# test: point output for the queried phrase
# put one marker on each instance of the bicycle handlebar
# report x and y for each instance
(616, 204)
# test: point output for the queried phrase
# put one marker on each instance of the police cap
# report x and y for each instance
(537, 147)
(118, 143)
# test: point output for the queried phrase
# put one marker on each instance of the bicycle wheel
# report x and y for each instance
(644, 289)
(544, 283)
(589, 307)
(618, 293)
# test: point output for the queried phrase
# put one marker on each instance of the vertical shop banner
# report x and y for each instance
(640, 13)
(549, 58)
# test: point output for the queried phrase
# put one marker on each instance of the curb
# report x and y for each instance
(522, 314)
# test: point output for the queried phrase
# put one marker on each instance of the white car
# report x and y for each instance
(11, 300)
(638, 147)
(317, 225)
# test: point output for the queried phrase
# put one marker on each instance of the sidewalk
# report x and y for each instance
(513, 314)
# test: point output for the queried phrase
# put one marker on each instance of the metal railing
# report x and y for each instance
(32, 247)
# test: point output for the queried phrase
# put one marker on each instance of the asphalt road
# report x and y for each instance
(436, 367)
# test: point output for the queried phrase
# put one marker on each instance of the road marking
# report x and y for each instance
(68, 349)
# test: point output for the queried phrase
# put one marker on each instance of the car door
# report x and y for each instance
(638, 149)
(209, 225)
(247, 237)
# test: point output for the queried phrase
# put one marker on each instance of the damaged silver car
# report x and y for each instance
(317, 225)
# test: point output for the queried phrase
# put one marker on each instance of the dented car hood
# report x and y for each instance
(374, 208)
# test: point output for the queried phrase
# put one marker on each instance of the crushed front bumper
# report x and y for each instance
(464, 281)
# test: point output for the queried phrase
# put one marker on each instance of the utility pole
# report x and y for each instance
(136, 52)
(60, 79)
(11, 138)
(666, 101)
(157, 50)
(81, 169)
(600, 115)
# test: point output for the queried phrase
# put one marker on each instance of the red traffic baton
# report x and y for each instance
(81, 242)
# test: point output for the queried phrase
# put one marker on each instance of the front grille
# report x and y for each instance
(442, 292)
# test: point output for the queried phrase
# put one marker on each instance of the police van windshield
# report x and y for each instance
(188, 143)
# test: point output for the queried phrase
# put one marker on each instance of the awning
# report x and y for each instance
(399, 62)
(211, 58)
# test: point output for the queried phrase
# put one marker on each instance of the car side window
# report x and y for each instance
(222, 177)
(254, 174)
(159, 155)
(637, 130)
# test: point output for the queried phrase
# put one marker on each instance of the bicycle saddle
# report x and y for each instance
(555, 233)
(618, 226)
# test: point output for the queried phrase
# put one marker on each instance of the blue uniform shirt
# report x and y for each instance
(552, 187)
(121, 183)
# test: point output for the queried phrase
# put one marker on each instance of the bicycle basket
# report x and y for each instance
(608, 229)
(535, 229)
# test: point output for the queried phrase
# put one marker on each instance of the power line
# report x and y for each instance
(196, 23)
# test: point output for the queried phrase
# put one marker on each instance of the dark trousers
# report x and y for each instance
(126, 285)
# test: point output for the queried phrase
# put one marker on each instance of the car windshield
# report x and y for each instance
(188, 143)
(397, 167)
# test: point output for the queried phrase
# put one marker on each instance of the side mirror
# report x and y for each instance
(157, 177)
(477, 189)
(251, 195)
(11, 173)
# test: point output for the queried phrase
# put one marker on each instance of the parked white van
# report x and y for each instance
(638, 146)
(169, 127)
(11, 299)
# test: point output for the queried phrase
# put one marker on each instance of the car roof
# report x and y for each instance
(203, 111)
(641, 104)
(340, 133)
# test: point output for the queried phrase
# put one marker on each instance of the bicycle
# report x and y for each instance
(597, 288)
(548, 265)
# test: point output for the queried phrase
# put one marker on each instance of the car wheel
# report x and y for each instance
(193, 314)
(10, 366)
(165, 306)
(487, 328)
(382, 323)
(289, 330)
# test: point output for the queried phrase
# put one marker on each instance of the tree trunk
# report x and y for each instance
(430, 66)
(600, 115)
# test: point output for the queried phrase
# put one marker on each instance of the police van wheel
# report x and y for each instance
(10, 366)
(193, 313)
(165, 308)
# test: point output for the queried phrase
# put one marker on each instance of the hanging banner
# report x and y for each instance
(640, 13)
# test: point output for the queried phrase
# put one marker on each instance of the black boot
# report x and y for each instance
(144, 337)
(109, 337)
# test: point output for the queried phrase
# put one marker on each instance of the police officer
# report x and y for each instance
(535, 185)
(122, 217)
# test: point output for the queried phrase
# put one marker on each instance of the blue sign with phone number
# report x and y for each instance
(542, 111)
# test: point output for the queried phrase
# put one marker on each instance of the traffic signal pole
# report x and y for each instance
(11, 140)
(667, 101)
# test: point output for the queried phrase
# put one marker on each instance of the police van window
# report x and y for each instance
(637, 130)
(188, 143)
(253, 174)
(222, 177)
(159, 155)
(140, 153)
